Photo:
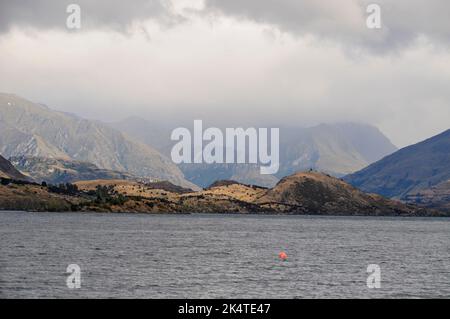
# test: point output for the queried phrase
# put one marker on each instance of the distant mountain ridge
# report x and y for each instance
(337, 149)
(30, 129)
(411, 169)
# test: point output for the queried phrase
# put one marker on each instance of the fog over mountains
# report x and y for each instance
(337, 149)
(31, 129)
(142, 148)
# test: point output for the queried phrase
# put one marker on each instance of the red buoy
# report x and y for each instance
(283, 256)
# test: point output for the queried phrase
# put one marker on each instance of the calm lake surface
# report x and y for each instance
(212, 256)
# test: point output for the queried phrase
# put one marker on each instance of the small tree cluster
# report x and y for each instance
(107, 195)
(64, 189)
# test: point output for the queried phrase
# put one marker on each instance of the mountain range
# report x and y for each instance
(31, 129)
(56, 147)
(337, 149)
(142, 149)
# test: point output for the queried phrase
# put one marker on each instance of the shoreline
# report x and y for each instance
(231, 214)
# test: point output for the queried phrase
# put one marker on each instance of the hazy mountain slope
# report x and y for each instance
(158, 136)
(55, 171)
(35, 130)
(15, 142)
(338, 149)
(151, 133)
(367, 140)
(7, 170)
(413, 168)
(206, 174)
(250, 174)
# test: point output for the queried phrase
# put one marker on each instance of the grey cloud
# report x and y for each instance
(230, 70)
(345, 21)
(116, 14)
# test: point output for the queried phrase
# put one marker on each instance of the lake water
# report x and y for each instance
(215, 256)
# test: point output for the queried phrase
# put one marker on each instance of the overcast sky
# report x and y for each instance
(266, 62)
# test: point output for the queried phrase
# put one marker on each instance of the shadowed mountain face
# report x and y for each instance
(7, 170)
(31, 129)
(337, 149)
(417, 167)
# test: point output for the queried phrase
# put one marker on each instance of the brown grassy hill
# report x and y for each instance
(129, 188)
(34, 198)
(316, 193)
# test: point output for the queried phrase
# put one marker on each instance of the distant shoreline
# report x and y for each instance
(303, 193)
(230, 214)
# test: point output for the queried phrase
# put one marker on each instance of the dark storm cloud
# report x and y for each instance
(116, 14)
(345, 21)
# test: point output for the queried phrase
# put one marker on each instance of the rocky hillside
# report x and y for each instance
(409, 170)
(7, 170)
(32, 129)
(56, 171)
